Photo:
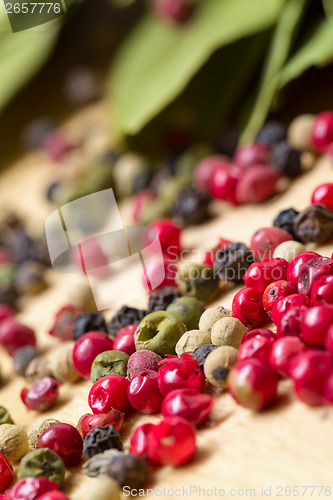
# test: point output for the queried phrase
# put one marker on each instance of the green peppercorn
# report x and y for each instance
(188, 310)
(109, 363)
(5, 417)
(170, 190)
(98, 464)
(198, 280)
(42, 462)
(159, 332)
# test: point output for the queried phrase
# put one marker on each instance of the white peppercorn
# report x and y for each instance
(228, 331)
(191, 340)
(61, 363)
(38, 431)
(288, 250)
(14, 442)
(38, 368)
(218, 364)
(210, 316)
(103, 488)
(299, 132)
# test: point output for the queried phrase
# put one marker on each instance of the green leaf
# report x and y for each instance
(328, 7)
(157, 61)
(317, 50)
(276, 58)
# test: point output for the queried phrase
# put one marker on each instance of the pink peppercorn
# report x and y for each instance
(86, 348)
(143, 360)
(315, 323)
(160, 274)
(312, 271)
(223, 183)
(139, 440)
(209, 257)
(251, 154)
(64, 322)
(261, 274)
(6, 312)
(140, 201)
(180, 373)
(88, 422)
(107, 393)
(143, 392)
(124, 340)
(283, 304)
(6, 472)
(322, 291)
(205, 169)
(328, 389)
(247, 307)
(65, 440)
(309, 372)
(275, 291)
(322, 131)
(323, 195)
(296, 265)
(258, 333)
(14, 335)
(329, 339)
(54, 495)
(172, 442)
(290, 322)
(265, 240)
(31, 488)
(169, 234)
(257, 347)
(257, 184)
(283, 352)
(190, 404)
(41, 395)
(253, 384)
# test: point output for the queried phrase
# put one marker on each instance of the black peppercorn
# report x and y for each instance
(123, 317)
(285, 220)
(160, 299)
(272, 133)
(201, 353)
(100, 439)
(286, 159)
(128, 470)
(22, 358)
(232, 261)
(88, 322)
(314, 224)
(191, 206)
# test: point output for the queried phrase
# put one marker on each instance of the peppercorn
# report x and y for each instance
(201, 353)
(197, 280)
(218, 364)
(191, 340)
(125, 170)
(288, 250)
(299, 132)
(42, 462)
(210, 316)
(104, 487)
(191, 206)
(22, 358)
(160, 299)
(88, 322)
(108, 363)
(228, 331)
(272, 133)
(314, 224)
(232, 261)
(188, 310)
(14, 442)
(30, 278)
(38, 368)
(128, 470)
(285, 220)
(286, 159)
(5, 417)
(38, 431)
(123, 317)
(64, 322)
(100, 439)
(142, 360)
(159, 332)
(98, 464)
(61, 363)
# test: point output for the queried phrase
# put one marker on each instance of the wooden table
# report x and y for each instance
(238, 451)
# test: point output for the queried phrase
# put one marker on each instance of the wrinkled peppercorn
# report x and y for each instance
(191, 206)
(42, 462)
(285, 220)
(100, 439)
(88, 322)
(314, 224)
(201, 353)
(232, 261)
(128, 470)
(159, 300)
(272, 133)
(286, 159)
(98, 464)
(123, 317)
(22, 358)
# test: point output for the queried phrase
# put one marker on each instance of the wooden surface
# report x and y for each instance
(288, 445)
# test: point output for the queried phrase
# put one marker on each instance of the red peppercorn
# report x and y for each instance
(257, 347)
(139, 440)
(265, 240)
(312, 271)
(283, 304)
(323, 195)
(54, 495)
(275, 291)
(107, 393)
(64, 322)
(257, 184)
(315, 323)
(86, 348)
(322, 291)
(209, 257)
(172, 441)
(247, 307)
(180, 373)
(190, 404)
(251, 154)
(290, 322)
(322, 131)
(283, 352)
(328, 389)
(31, 488)
(258, 333)
(309, 372)
(159, 275)
(125, 340)
(6, 312)
(113, 417)
(143, 392)
(296, 265)
(329, 339)
(253, 384)
(261, 274)
(6, 472)
(169, 234)
(14, 335)
(41, 395)
(65, 440)
(224, 182)
(205, 169)
(143, 360)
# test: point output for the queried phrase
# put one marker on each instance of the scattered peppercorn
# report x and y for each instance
(98, 464)
(101, 438)
(38, 368)
(299, 132)
(42, 462)
(218, 364)
(61, 363)
(210, 316)
(191, 206)
(288, 250)
(105, 487)
(64, 322)
(285, 220)
(142, 360)
(108, 363)
(123, 317)
(188, 310)
(314, 224)
(232, 261)
(14, 442)
(201, 353)
(38, 431)
(88, 322)
(160, 299)
(159, 332)
(128, 470)
(22, 358)
(228, 331)
(286, 159)
(197, 280)
(191, 340)
(272, 133)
